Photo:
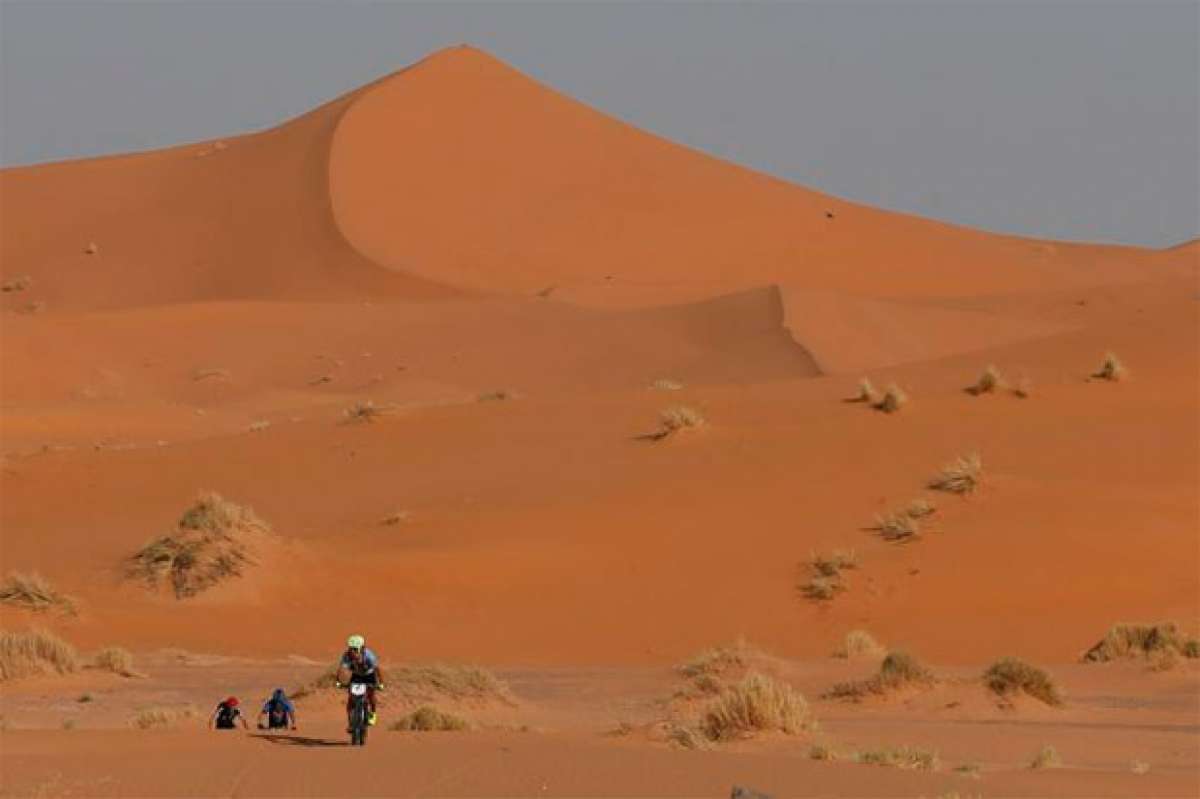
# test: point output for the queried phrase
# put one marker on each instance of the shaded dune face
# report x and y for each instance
(457, 231)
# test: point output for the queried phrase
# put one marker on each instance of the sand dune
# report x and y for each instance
(520, 285)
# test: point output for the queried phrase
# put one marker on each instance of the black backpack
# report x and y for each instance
(226, 716)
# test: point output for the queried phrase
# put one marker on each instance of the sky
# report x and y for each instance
(1064, 119)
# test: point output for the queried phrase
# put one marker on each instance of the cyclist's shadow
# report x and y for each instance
(296, 740)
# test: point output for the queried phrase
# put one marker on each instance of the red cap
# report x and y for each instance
(231, 701)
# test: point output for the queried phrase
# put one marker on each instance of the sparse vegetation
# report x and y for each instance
(756, 704)
(716, 661)
(920, 508)
(259, 426)
(116, 660)
(1008, 676)
(365, 411)
(1111, 369)
(897, 527)
(859, 644)
(832, 564)
(1141, 640)
(899, 670)
(215, 541)
(893, 399)
(1047, 757)
(395, 518)
(665, 384)
(989, 382)
(460, 682)
(866, 393)
(823, 752)
(16, 284)
(685, 736)
(85, 698)
(962, 476)
(153, 717)
(906, 757)
(674, 419)
(34, 652)
(497, 395)
(34, 592)
(429, 719)
(822, 588)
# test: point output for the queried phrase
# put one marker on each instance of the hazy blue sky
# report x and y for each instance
(1077, 120)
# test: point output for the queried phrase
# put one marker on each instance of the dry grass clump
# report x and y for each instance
(1047, 757)
(34, 592)
(115, 659)
(460, 682)
(832, 564)
(498, 395)
(989, 382)
(327, 679)
(962, 476)
(16, 284)
(686, 737)
(718, 660)
(859, 644)
(666, 384)
(899, 670)
(1111, 369)
(365, 411)
(154, 717)
(823, 752)
(429, 719)
(395, 518)
(919, 508)
(756, 704)
(674, 419)
(893, 399)
(1142, 640)
(866, 393)
(822, 588)
(214, 541)
(897, 527)
(34, 652)
(906, 757)
(1009, 675)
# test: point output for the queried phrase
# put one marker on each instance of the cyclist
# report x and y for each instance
(360, 665)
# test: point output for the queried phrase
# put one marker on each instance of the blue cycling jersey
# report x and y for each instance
(369, 661)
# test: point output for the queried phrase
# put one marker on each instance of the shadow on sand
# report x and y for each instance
(298, 740)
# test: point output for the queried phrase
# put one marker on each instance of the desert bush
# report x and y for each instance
(1009, 675)
(962, 476)
(675, 419)
(685, 736)
(16, 284)
(395, 518)
(666, 384)
(866, 393)
(1111, 369)
(893, 399)
(34, 652)
(116, 660)
(1141, 640)
(34, 592)
(365, 411)
(832, 564)
(154, 717)
(859, 643)
(1046, 757)
(430, 719)
(259, 426)
(718, 660)
(990, 381)
(460, 682)
(756, 704)
(214, 541)
(823, 752)
(920, 508)
(898, 670)
(906, 757)
(822, 588)
(897, 527)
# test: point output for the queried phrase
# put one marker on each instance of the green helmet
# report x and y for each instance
(356, 642)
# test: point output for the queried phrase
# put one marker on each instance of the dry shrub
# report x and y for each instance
(430, 719)
(989, 382)
(897, 527)
(756, 704)
(115, 659)
(1111, 369)
(16, 284)
(962, 476)
(459, 682)
(34, 592)
(832, 564)
(666, 384)
(327, 679)
(866, 393)
(899, 670)
(823, 752)
(395, 518)
(905, 757)
(893, 399)
(1047, 757)
(366, 411)
(215, 541)
(672, 420)
(155, 717)
(717, 661)
(822, 588)
(685, 736)
(859, 644)
(1009, 675)
(34, 652)
(1141, 640)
